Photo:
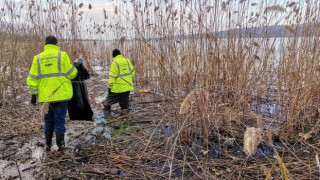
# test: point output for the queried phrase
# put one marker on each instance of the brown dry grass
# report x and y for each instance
(176, 50)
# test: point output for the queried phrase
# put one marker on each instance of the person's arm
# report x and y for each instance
(132, 67)
(32, 79)
(113, 74)
(68, 68)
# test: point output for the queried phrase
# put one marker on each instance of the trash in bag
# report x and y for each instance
(79, 107)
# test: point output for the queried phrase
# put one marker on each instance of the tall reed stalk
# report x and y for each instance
(177, 48)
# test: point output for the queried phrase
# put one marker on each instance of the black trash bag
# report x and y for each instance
(79, 107)
(82, 71)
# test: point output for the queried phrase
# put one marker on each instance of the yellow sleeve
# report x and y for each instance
(32, 79)
(131, 67)
(113, 74)
(68, 68)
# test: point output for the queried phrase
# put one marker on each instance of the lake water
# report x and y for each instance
(275, 61)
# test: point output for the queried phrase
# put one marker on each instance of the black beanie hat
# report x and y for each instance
(51, 40)
(115, 53)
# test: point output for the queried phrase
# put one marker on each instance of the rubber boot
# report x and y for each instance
(60, 141)
(48, 136)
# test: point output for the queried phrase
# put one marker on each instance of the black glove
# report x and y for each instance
(34, 99)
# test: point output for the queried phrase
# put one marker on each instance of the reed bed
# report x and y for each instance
(223, 82)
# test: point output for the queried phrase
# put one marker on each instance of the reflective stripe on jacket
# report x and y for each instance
(50, 75)
(121, 75)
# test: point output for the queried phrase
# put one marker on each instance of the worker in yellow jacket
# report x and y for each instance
(49, 80)
(120, 82)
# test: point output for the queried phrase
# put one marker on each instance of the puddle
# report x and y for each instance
(215, 153)
(99, 121)
(164, 132)
(88, 131)
(37, 153)
(102, 131)
(98, 114)
(97, 128)
(169, 131)
(265, 151)
(267, 109)
(134, 109)
(90, 139)
(270, 111)
(28, 162)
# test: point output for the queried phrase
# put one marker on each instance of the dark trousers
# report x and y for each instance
(54, 120)
(121, 98)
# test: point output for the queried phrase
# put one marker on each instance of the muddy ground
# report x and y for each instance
(141, 145)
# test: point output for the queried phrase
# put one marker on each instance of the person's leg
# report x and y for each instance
(124, 102)
(60, 112)
(49, 127)
(112, 98)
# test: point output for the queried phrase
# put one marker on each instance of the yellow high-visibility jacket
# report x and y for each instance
(121, 75)
(50, 75)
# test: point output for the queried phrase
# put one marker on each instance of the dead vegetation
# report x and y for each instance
(200, 94)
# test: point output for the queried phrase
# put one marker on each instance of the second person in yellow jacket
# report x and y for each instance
(120, 82)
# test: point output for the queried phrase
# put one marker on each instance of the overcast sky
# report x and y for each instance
(95, 15)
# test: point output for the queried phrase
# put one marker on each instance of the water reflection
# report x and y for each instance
(100, 129)
(99, 121)
(267, 109)
(90, 138)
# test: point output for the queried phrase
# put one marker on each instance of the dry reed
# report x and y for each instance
(177, 49)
